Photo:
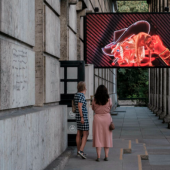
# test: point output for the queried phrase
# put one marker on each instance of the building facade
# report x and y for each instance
(35, 35)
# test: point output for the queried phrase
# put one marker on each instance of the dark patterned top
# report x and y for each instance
(80, 98)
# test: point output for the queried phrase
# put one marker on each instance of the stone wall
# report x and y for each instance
(17, 58)
(34, 36)
(32, 138)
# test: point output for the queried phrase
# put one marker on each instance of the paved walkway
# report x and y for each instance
(141, 142)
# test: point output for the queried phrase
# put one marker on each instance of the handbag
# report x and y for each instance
(112, 126)
(73, 106)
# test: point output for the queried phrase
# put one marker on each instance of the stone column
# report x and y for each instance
(151, 88)
(163, 114)
(157, 91)
(160, 93)
(149, 96)
(154, 90)
(167, 118)
(150, 80)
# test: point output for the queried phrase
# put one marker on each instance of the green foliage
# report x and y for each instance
(132, 6)
(132, 82)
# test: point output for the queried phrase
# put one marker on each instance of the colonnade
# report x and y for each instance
(159, 93)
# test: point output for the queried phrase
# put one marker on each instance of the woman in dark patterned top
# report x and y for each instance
(81, 118)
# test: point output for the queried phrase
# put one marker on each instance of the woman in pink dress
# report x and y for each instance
(102, 136)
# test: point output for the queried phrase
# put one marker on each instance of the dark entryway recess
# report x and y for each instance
(72, 73)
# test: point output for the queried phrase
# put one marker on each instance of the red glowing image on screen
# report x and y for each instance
(137, 45)
(134, 46)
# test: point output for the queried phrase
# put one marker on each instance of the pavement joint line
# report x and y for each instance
(139, 163)
(121, 153)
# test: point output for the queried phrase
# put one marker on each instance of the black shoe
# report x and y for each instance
(82, 154)
(106, 159)
(98, 159)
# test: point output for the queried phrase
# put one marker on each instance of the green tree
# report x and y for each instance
(132, 82)
(132, 6)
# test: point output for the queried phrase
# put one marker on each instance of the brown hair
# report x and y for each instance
(81, 86)
(101, 96)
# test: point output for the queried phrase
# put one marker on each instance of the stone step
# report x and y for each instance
(130, 147)
(140, 149)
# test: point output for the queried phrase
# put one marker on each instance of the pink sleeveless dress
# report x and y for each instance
(102, 136)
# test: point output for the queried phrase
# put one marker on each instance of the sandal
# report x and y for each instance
(79, 155)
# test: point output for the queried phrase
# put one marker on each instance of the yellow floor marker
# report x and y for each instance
(139, 163)
(121, 153)
(129, 144)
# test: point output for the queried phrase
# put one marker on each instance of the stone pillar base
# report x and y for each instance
(166, 119)
(156, 110)
(162, 115)
(159, 112)
(153, 108)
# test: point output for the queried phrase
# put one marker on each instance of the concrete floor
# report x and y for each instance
(137, 130)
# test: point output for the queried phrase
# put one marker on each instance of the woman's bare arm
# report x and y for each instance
(80, 112)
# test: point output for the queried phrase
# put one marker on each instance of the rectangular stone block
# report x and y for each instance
(17, 76)
(55, 4)
(73, 17)
(17, 19)
(33, 140)
(52, 33)
(72, 45)
(52, 79)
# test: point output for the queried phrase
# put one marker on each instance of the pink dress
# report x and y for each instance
(102, 136)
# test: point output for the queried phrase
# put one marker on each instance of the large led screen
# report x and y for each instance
(127, 39)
